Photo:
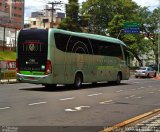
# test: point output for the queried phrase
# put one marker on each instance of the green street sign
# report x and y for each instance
(132, 27)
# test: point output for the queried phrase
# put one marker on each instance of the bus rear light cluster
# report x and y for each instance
(48, 67)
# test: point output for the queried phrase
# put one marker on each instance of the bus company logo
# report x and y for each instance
(32, 47)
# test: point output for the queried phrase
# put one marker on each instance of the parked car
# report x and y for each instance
(145, 72)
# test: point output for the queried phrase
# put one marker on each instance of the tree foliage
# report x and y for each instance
(107, 17)
(150, 28)
(101, 12)
(71, 22)
(115, 26)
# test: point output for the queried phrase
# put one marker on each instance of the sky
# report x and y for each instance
(37, 5)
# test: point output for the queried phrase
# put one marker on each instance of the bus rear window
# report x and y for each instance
(32, 50)
(33, 41)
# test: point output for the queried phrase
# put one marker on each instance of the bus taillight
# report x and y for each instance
(48, 67)
(17, 68)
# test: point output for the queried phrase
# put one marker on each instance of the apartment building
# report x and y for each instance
(43, 19)
(11, 20)
(12, 13)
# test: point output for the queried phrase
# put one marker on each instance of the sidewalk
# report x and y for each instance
(150, 125)
(157, 77)
(147, 122)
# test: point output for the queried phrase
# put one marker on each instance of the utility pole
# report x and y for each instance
(158, 48)
(53, 9)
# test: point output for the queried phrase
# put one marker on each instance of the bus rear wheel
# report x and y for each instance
(118, 80)
(78, 80)
(94, 83)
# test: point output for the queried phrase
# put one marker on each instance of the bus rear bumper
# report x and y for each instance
(43, 79)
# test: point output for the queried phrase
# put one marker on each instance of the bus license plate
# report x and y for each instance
(31, 78)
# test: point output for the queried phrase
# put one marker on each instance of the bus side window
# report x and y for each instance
(121, 56)
(127, 55)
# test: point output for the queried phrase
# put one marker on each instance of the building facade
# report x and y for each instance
(43, 19)
(12, 13)
(11, 20)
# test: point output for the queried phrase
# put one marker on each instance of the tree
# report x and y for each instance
(115, 26)
(150, 22)
(98, 18)
(101, 12)
(71, 22)
(106, 17)
(115, 29)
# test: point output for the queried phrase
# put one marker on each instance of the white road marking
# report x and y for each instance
(94, 94)
(70, 110)
(157, 104)
(130, 96)
(141, 88)
(81, 107)
(106, 102)
(151, 92)
(67, 99)
(138, 97)
(5, 108)
(78, 108)
(38, 103)
(133, 89)
(119, 91)
(136, 82)
(150, 86)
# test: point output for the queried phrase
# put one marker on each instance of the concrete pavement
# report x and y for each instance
(148, 122)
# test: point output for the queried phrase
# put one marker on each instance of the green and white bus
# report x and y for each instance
(53, 56)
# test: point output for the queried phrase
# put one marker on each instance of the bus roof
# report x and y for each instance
(87, 35)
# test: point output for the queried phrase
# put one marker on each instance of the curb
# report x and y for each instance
(157, 78)
(132, 120)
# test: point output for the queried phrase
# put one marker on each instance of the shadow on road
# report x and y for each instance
(61, 88)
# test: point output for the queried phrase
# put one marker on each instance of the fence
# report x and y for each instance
(7, 71)
(7, 48)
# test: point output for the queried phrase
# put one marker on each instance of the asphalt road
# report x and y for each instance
(90, 108)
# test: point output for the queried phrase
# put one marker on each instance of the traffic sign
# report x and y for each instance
(132, 27)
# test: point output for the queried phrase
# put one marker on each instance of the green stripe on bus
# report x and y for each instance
(32, 73)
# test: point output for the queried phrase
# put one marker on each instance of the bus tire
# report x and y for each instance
(118, 80)
(78, 80)
(94, 83)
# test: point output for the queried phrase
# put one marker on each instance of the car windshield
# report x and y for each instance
(143, 68)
